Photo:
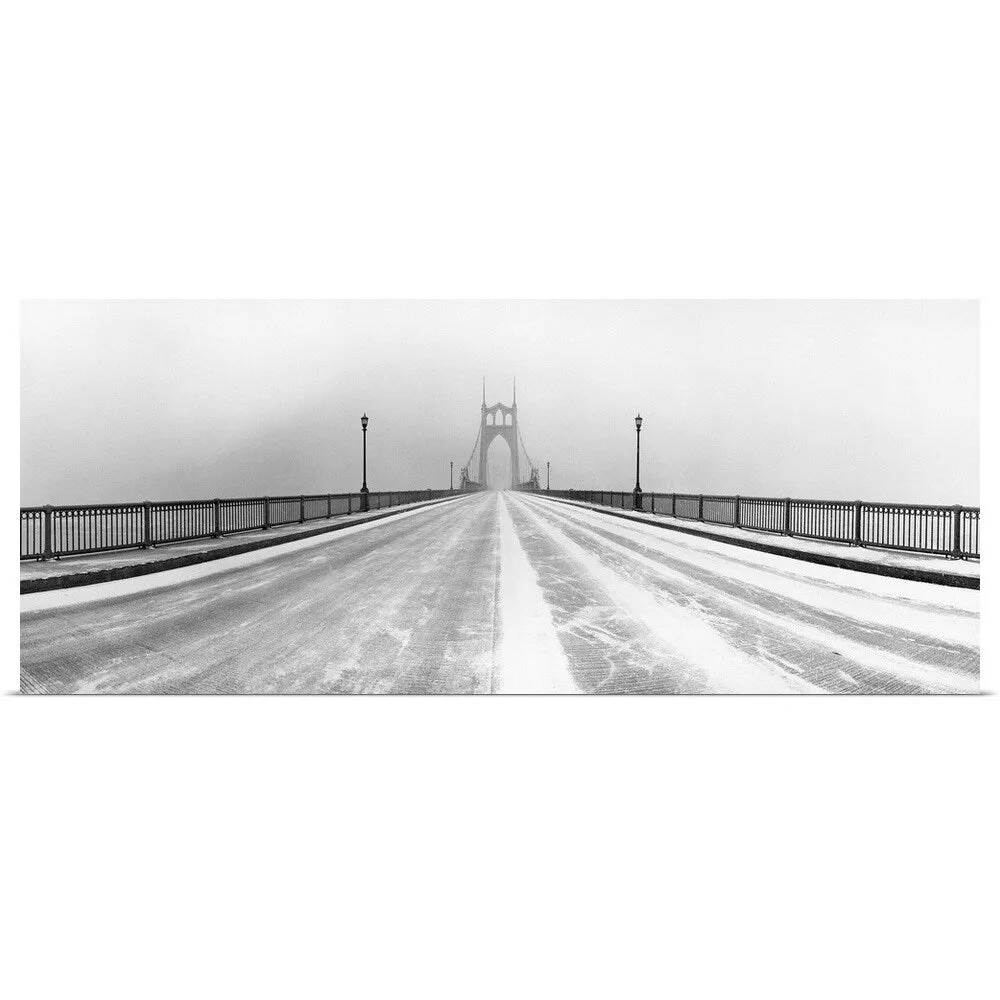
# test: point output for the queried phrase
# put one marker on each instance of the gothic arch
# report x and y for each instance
(499, 420)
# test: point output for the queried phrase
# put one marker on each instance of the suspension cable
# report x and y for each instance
(525, 449)
(468, 464)
(520, 439)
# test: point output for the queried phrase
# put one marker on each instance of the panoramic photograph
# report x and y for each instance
(499, 497)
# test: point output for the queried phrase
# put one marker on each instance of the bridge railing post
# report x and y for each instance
(47, 531)
(857, 523)
(956, 543)
(147, 532)
(329, 505)
(302, 509)
(736, 511)
(267, 514)
(788, 516)
(217, 516)
(701, 507)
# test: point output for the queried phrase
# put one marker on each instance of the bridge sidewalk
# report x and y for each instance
(100, 567)
(884, 562)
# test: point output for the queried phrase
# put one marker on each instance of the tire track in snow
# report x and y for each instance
(609, 651)
(688, 634)
(363, 612)
(950, 616)
(865, 660)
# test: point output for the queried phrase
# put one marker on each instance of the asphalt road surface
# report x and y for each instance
(503, 593)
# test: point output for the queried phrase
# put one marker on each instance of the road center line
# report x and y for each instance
(531, 658)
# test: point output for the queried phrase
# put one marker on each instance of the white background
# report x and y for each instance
(723, 847)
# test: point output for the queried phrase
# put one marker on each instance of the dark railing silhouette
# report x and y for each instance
(49, 532)
(942, 530)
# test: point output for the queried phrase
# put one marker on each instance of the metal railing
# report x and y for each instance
(941, 530)
(50, 532)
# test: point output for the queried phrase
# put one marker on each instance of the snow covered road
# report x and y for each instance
(504, 593)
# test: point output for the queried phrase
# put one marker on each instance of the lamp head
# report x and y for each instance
(638, 422)
(364, 422)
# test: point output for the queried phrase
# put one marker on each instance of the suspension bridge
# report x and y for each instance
(498, 420)
(503, 589)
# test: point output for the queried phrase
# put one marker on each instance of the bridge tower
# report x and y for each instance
(496, 421)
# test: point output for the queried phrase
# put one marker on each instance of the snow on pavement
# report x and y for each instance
(509, 593)
(531, 658)
(925, 638)
(686, 633)
(71, 596)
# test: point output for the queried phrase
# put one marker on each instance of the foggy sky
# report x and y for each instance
(177, 400)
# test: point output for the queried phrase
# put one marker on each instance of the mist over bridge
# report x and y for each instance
(513, 590)
(499, 421)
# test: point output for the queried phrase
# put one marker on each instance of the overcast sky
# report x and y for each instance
(160, 400)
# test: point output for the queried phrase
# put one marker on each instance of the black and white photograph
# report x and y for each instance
(500, 496)
(325, 498)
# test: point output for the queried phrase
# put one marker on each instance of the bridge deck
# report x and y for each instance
(70, 570)
(504, 593)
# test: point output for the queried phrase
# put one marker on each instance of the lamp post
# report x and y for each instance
(451, 476)
(637, 492)
(547, 477)
(364, 462)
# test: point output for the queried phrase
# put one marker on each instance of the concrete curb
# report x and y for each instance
(84, 579)
(942, 577)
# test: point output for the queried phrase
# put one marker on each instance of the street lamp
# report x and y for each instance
(364, 462)
(451, 476)
(547, 476)
(637, 492)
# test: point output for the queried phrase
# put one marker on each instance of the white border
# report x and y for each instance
(518, 847)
